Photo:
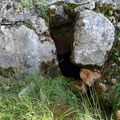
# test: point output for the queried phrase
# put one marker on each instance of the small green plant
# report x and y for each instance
(43, 11)
(119, 36)
(30, 24)
(116, 99)
(26, 3)
(29, 4)
(18, 6)
(117, 54)
(87, 6)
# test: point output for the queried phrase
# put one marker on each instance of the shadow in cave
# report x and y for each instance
(63, 38)
(67, 68)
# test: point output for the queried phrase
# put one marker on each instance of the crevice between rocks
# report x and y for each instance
(63, 38)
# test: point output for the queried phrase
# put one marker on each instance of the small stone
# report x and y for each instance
(78, 86)
(92, 5)
(105, 81)
(118, 25)
(103, 86)
(113, 65)
(110, 12)
(112, 19)
(89, 77)
(117, 14)
(26, 90)
(113, 81)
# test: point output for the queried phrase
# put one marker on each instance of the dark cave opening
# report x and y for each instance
(63, 38)
(67, 68)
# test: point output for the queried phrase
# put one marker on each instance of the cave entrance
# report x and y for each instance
(63, 38)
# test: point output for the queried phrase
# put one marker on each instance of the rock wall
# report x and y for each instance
(93, 36)
(24, 41)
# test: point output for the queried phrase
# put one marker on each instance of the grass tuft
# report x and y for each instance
(46, 98)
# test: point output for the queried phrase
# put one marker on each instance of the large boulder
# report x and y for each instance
(93, 38)
(20, 47)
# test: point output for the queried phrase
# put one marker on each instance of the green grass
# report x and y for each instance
(116, 92)
(111, 70)
(30, 4)
(47, 99)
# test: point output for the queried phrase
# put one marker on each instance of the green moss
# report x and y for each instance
(6, 72)
(69, 9)
(50, 68)
(52, 12)
(26, 3)
(104, 10)
(43, 12)
(30, 24)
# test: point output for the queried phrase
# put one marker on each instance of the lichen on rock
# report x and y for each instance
(93, 38)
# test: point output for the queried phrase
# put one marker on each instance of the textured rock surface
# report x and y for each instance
(80, 4)
(57, 16)
(93, 38)
(21, 47)
(89, 4)
(10, 15)
(23, 38)
(72, 1)
(115, 4)
(118, 25)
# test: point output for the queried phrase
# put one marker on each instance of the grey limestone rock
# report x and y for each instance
(21, 47)
(93, 38)
(115, 4)
(57, 15)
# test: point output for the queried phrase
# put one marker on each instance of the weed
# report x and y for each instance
(43, 11)
(116, 98)
(30, 3)
(26, 3)
(87, 6)
(119, 36)
(49, 99)
(30, 24)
